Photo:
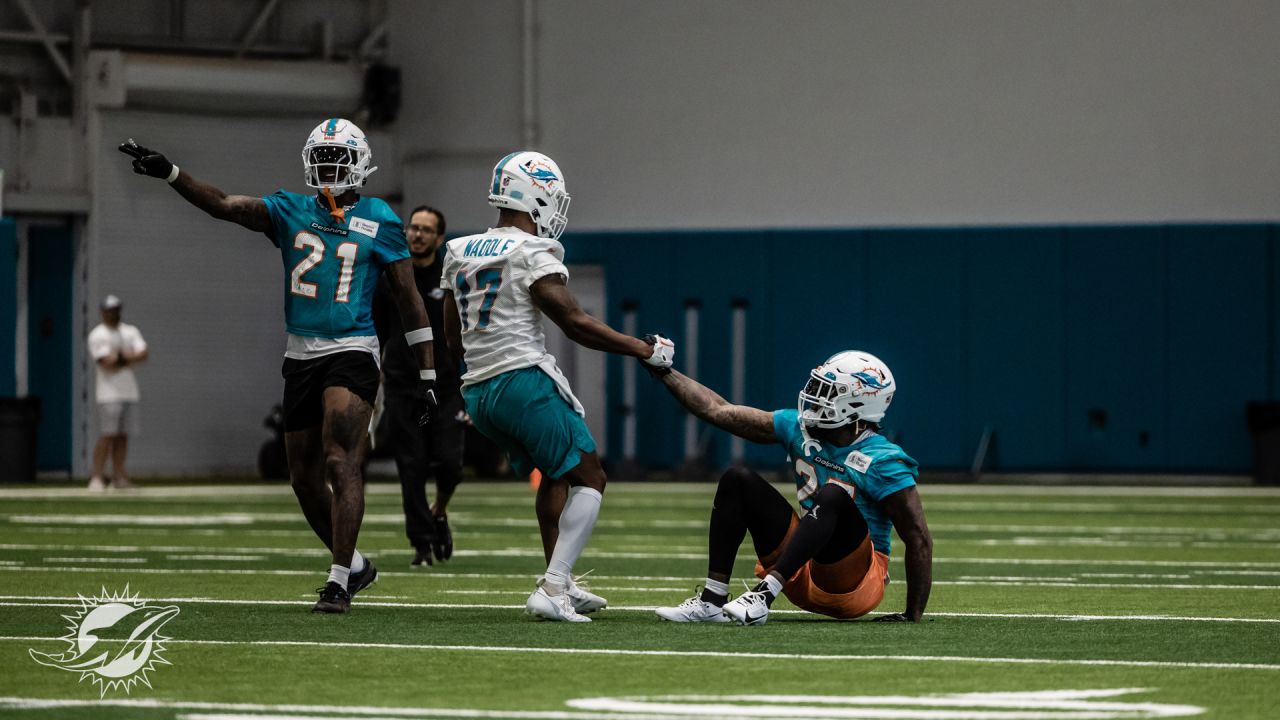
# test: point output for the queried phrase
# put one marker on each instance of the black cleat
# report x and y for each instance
(442, 544)
(333, 599)
(363, 579)
(420, 559)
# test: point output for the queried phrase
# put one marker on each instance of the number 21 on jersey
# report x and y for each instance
(346, 253)
(482, 286)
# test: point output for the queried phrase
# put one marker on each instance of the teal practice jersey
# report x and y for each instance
(331, 269)
(874, 467)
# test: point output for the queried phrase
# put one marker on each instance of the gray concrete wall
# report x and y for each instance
(750, 113)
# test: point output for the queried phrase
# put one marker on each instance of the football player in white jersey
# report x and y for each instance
(498, 284)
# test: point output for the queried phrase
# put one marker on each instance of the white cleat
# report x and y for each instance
(584, 601)
(552, 607)
(97, 484)
(693, 610)
(749, 608)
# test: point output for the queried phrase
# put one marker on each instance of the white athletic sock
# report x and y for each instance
(339, 574)
(716, 587)
(774, 585)
(357, 562)
(576, 522)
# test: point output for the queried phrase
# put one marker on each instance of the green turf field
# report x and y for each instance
(1047, 603)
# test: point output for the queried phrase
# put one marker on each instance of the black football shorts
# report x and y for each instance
(306, 380)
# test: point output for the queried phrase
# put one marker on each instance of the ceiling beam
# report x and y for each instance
(256, 28)
(46, 39)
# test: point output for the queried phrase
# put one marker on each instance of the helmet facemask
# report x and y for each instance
(552, 222)
(336, 167)
(826, 403)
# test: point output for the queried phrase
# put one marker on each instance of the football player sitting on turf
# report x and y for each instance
(334, 244)
(498, 285)
(852, 483)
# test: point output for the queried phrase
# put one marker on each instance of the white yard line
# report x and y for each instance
(1069, 584)
(250, 518)
(1085, 507)
(958, 706)
(329, 645)
(112, 560)
(227, 558)
(1217, 565)
(67, 601)
(1107, 530)
(620, 490)
(1030, 582)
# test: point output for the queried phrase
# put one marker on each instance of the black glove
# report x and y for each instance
(147, 162)
(425, 406)
(654, 370)
(893, 618)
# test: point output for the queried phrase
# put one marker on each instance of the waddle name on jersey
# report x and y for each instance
(487, 247)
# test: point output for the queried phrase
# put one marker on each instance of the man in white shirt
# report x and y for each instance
(115, 347)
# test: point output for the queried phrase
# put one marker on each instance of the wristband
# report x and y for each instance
(429, 374)
(173, 175)
(421, 335)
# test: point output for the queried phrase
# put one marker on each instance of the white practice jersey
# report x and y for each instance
(489, 275)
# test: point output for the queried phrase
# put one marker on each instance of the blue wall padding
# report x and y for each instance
(1084, 348)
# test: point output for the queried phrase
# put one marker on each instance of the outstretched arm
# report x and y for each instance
(244, 210)
(747, 423)
(551, 295)
(907, 514)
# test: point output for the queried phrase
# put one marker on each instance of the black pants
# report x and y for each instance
(422, 453)
(746, 503)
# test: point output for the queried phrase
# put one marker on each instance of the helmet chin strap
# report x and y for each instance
(809, 446)
(335, 211)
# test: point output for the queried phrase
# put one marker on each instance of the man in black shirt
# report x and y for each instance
(436, 448)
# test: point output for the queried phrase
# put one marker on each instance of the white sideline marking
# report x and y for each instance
(601, 588)
(94, 560)
(253, 711)
(1034, 705)
(696, 653)
(230, 491)
(1076, 584)
(1099, 542)
(1108, 530)
(1054, 582)
(231, 558)
(249, 518)
(1067, 704)
(1102, 491)
(993, 506)
(1216, 565)
(67, 601)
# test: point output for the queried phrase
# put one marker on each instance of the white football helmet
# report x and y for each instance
(337, 156)
(531, 182)
(849, 386)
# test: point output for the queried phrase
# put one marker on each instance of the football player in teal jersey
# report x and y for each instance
(852, 484)
(334, 245)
